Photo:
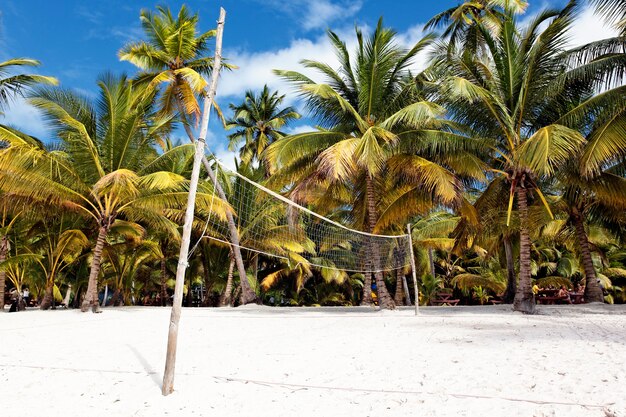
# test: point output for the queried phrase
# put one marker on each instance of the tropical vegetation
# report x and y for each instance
(505, 148)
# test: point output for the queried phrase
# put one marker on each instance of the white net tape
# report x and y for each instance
(270, 224)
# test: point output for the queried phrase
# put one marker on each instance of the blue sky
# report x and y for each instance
(78, 40)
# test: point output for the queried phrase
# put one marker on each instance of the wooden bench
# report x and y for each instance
(444, 299)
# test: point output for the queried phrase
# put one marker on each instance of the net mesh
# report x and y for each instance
(270, 224)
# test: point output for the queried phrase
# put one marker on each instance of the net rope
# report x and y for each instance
(269, 223)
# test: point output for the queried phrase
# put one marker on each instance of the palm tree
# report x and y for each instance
(374, 123)
(20, 268)
(123, 262)
(593, 183)
(258, 121)
(107, 167)
(461, 22)
(591, 197)
(13, 85)
(8, 220)
(506, 94)
(173, 54)
(56, 246)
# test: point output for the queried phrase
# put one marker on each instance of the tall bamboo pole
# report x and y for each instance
(417, 298)
(172, 338)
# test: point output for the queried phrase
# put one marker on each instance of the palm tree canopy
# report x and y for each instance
(258, 121)
(106, 163)
(375, 126)
(13, 84)
(174, 53)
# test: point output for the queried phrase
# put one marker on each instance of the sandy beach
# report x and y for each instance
(468, 361)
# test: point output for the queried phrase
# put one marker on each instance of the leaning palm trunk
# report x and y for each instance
(4, 248)
(511, 282)
(384, 299)
(524, 297)
(91, 297)
(226, 299)
(593, 292)
(247, 294)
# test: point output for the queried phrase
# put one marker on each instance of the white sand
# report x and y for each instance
(317, 362)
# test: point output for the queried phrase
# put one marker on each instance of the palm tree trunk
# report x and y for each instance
(247, 294)
(91, 297)
(524, 297)
(48, 296)
(398, 297)
(163, 283)
(226, 299)
(511, 282)
(115, 298)
(384, 299)
(431, 261)
(366, 299)
(593, 292)
(4, 249)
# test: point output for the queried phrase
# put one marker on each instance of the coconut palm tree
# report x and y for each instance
(173, 54)
(507, 94)
(376, 127)
(57, 245)
(8, 219)
(461, 22)
(124, 260)
(593, 199)
(13, 85)
(107, 167)
(258, 121)
(593, 183)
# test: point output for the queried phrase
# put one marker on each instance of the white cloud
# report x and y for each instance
(26, 118)
(226, 157)
(589, 27)
(255, 68)
(300, 129)
(408, 40)
(319, 14)
(316, 14)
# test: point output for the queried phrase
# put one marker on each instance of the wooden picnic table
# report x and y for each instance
(577, 297)
(552, 297)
